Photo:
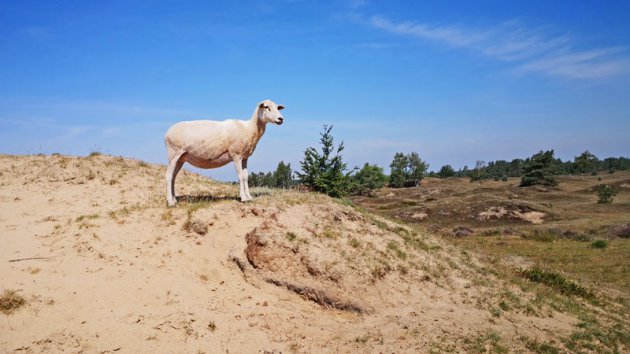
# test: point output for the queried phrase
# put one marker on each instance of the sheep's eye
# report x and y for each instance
(267, 108)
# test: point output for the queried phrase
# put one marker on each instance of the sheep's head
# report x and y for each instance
(269, 112)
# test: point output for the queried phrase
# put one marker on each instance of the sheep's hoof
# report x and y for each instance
(171, 203)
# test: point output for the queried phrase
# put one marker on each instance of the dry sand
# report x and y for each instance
(106, 267)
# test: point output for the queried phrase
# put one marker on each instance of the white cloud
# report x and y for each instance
(536, 49)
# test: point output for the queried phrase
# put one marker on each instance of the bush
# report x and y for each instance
(556, 281)
(599, 244)
(368, 178)
(446, 171)
(605, 193)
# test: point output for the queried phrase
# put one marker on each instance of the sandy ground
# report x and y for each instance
(106, 267)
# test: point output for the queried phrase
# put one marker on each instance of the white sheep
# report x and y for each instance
(212, 144)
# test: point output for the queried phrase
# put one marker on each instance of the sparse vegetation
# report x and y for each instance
(86, 217)
(10, 301)
(291, 236)
(557, 281)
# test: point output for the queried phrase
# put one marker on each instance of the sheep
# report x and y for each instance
(212, 144)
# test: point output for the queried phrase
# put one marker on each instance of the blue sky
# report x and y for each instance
(455, 81)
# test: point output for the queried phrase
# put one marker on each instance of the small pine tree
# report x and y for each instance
(538, 170)
(325, 172)
(605, 193)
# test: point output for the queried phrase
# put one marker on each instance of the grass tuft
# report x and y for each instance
(11, 301)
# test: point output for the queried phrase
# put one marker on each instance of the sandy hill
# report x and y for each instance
(105, 266)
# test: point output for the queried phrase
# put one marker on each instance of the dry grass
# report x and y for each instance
(607, 267)
(10, 301)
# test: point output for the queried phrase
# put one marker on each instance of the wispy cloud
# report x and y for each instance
(536, 49)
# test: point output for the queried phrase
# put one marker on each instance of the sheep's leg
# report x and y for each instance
(238, 164)
(174, 166)
(246, 180)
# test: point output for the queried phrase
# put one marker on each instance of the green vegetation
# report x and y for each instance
(407, 170)
(606, 194)
(282, 177)
(291, 236)
(539, 170)
(586, 163)
(556, 281)
(446, 171)
(599, 244)
(479, 173)
(368, 178)
(325, 172)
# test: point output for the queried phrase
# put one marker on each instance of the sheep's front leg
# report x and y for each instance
(246, 179)
(238, 164)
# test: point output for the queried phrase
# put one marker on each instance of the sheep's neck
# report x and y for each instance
(258, 128)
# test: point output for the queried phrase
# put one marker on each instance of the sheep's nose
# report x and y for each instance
(280, 120)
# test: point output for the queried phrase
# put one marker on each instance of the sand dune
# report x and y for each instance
(106, 267)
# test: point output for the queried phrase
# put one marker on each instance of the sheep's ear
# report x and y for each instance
(261, 105)
(280, 107)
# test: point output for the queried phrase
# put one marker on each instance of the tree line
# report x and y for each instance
(324, 171)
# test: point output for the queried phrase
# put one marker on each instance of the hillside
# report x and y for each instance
(104, 266)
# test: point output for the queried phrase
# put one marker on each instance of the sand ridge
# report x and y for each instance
(112, 269)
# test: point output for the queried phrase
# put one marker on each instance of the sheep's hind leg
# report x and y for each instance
(245, 174)
(174, 166)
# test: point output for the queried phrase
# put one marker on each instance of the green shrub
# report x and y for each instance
(605, 193)
(556, 281)
(599, 244)
(368, 178)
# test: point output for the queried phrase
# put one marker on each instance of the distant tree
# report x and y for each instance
(261, 179)
(398, 173)
(368, 178)
(325, 172)
(407, 170)
(479, 173)
(538, 170)
(416, 168)
(515, 168)
(605, 193)
(586, 163)
(446, 171)
(283, 176)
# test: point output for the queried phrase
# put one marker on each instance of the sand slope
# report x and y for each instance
(114, 270)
